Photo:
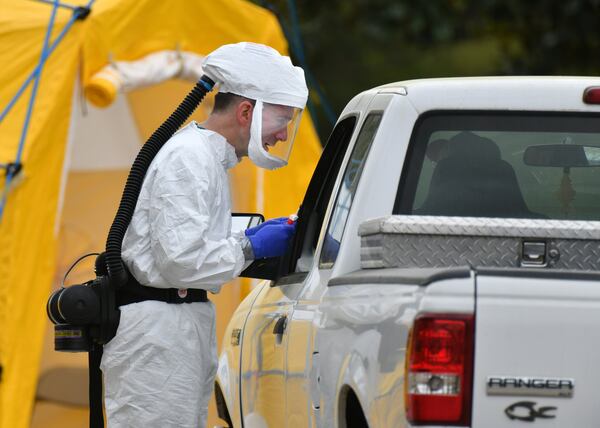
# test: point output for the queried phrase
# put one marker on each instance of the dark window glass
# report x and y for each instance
(520, 165)
(347, 190)
(319, 192)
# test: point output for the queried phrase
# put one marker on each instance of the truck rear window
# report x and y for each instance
(488, 164)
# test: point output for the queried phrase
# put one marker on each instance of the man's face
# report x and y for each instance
(275, 121)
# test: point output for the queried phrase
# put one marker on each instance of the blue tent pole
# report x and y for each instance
(46, 51)
(43, 56)
(38, 68)
(65, 5)
(36, 82)
(298, 48)
(297, 38)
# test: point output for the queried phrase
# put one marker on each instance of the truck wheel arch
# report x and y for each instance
(350, 411)
(351, 391)
(222, 410)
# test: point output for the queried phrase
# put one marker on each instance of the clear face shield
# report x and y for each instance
(272, 134)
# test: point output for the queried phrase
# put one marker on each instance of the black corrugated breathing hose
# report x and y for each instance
(116, 271)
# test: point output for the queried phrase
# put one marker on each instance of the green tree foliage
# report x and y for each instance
(545, 37)
(352, 45)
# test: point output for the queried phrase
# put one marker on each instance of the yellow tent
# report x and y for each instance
(75, 157)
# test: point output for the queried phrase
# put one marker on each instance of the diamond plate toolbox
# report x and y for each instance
(431, 241)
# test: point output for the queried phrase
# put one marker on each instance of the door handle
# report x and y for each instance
(280, 325)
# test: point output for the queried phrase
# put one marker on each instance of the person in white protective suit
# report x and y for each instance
(159, 369)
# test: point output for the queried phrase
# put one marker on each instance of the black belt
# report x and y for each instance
(134, 292)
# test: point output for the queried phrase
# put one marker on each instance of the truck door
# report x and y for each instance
(262, 379)
(303, 358)
(264, 359)
(536, 349)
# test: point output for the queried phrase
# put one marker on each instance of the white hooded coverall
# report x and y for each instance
(160, 367)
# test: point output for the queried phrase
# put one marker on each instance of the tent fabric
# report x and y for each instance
(116, 30)
(27, 241)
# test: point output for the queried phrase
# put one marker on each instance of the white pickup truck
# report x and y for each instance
(445, 269)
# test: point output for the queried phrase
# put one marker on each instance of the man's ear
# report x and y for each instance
(244, 113)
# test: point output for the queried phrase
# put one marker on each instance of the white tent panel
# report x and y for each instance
(104, 139)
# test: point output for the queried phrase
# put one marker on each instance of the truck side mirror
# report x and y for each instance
(263, 269)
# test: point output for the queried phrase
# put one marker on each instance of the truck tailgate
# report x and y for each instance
(537, 351)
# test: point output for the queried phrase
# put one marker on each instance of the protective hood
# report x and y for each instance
(257, 72)
(260, 73)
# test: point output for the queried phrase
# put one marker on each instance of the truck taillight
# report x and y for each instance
(591, 95)
(439, 370)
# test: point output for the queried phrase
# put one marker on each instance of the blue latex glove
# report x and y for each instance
(272, 239)
(251, 231)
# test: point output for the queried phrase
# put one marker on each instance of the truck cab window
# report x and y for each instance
(312, 210)
(347, 190)
(512, 165)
